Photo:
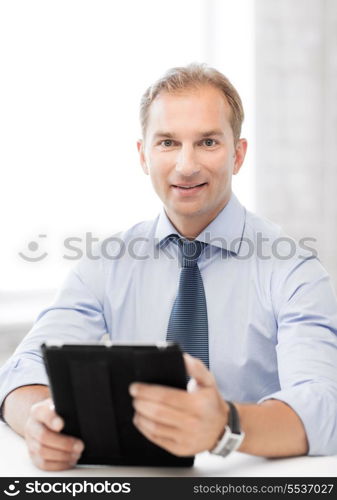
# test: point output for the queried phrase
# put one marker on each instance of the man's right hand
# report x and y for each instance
(49, 449)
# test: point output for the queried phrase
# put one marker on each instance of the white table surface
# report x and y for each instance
(15, 461)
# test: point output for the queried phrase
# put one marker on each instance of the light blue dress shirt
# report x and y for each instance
(271, 309)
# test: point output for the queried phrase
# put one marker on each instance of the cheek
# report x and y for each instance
(216, 161)
(160, 168)
(221, 172)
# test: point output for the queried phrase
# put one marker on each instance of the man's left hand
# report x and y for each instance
(183, 423)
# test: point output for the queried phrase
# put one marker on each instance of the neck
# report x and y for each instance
(192, 225)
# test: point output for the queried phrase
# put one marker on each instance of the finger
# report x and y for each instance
(164, 442)
(51, 465)
(198, 370)
(46, 453)
(154, 429)
(39, 432)
(44, 412)
(159, 413)
(177, 398)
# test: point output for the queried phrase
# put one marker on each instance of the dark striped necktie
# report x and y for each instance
(188, 323)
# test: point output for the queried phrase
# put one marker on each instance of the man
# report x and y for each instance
(268, 317)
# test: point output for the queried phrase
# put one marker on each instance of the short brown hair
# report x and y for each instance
(193, 76)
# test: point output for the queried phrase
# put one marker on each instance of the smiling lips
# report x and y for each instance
(188, 189)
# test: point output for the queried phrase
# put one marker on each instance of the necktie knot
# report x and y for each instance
(190, 251)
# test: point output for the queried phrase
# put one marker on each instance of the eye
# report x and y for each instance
(209, 142)
(166, 143)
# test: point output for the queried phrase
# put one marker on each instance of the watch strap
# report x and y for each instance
(233, 419)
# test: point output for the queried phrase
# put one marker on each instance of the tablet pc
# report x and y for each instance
(89, 385)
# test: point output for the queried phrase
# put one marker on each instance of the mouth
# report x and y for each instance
(189, 188)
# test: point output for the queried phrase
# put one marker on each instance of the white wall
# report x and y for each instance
(296, 112)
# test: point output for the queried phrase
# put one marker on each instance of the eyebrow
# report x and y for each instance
(208, 133)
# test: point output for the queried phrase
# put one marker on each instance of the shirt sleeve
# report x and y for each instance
(75, 316)
(306, 313)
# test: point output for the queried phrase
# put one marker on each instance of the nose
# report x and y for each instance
(186, 163)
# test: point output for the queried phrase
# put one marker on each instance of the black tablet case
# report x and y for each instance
(89, 386)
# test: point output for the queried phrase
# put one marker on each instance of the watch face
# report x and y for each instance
(232, 437)
(233, 442)
(228, 443)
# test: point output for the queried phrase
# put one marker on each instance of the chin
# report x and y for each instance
(188, 211)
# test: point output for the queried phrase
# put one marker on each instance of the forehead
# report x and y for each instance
(203, 108)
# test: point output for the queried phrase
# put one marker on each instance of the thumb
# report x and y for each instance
(197, 370)
(44, 412)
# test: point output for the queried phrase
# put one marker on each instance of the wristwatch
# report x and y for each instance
(232, 437)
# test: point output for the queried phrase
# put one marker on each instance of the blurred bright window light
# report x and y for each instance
(73, 72)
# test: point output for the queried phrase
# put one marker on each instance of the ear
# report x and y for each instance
(140, 147)
(240, 153)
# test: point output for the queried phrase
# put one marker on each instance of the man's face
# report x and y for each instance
(189, 152)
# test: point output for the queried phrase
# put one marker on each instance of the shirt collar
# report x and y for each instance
(225, 231)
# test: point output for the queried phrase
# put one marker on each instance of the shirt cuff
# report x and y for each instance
(19, 372)
(311, 401)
